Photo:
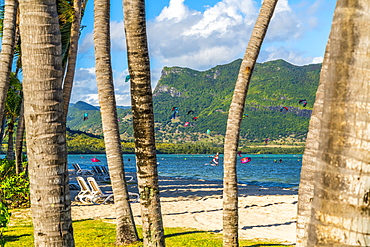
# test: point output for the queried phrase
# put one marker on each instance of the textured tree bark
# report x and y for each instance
(125, 229)
(45, 131)
(143, 121)
(339, 210)
(230, 193)
(19, 140)
(7, 49)
(72, 56)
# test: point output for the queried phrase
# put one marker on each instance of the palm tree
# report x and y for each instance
(72, 37)
(338, 194)
(45, 131)
(19, 140)
(72, 56)
(12, 109)
(143, 121)
(230, 193)
(125, 230)
(7, 49)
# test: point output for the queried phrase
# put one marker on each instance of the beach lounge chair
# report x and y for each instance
(101, 197)
(80, 171)
(106, 172)
(99, 174)
(85, 195)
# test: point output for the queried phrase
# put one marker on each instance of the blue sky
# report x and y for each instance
(201, 34)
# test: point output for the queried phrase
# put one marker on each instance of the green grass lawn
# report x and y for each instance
(102, 233)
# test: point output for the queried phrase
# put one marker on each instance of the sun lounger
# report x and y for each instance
(99, 174)
(80, 171)
(101, 197)
(106, 172)
(85, 195)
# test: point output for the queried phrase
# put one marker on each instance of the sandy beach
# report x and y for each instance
(264, 213)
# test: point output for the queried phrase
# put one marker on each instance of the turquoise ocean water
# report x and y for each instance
(263, 170)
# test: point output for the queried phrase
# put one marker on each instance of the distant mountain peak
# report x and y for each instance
(85, 106)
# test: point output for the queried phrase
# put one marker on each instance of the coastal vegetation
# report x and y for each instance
(207, 96)
(84, 143)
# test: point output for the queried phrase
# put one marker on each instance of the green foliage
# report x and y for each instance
(4, 221)
(80, 143)
(208, 94)
(273, 85)
(4, 215)
(14, 188)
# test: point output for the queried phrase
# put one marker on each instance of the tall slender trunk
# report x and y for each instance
(45, 131)
(125, 229)
(7, 50)
(72, 56)
(338, 194)
(10, 152)
(230, 193)
(143, 121)
(2, 130)
(19, 140)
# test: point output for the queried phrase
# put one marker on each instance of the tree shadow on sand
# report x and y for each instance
(182, 233)
(15, 238)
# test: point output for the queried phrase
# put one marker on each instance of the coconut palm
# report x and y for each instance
(78, 10)
(125, 230)
(72, 56)
(19, 140)
(12, 109)
(230, 193)
(7, 49)
(338, 194)
(143, 121)
(45, 131)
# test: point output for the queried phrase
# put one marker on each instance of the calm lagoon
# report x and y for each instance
(264, 170)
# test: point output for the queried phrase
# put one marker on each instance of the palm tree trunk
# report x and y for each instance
(72, 56)
(143, 121)
(309, 161)
(338, 212)
(125, 230)
(230, 193)
(45, 131)
(19, 140)
(10, 152)
(2, 130)
(7, 49)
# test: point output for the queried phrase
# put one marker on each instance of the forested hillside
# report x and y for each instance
(207, 95)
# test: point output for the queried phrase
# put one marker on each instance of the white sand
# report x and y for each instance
(264, 213)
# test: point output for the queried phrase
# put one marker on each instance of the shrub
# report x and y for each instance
(14, 188)
(4, 221)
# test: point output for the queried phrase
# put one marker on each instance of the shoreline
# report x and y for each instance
(264, 212)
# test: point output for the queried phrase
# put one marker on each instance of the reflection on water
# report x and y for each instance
(266, 170)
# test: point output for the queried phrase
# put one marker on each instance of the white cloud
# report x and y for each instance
(293, 56)
(176, 11)
(86, 43)
(317, 60)
(85, 88)
(180, 36)
(118, 39)
(218, 35)
(284, 25)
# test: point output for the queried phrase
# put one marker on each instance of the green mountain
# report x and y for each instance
(207, 95)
